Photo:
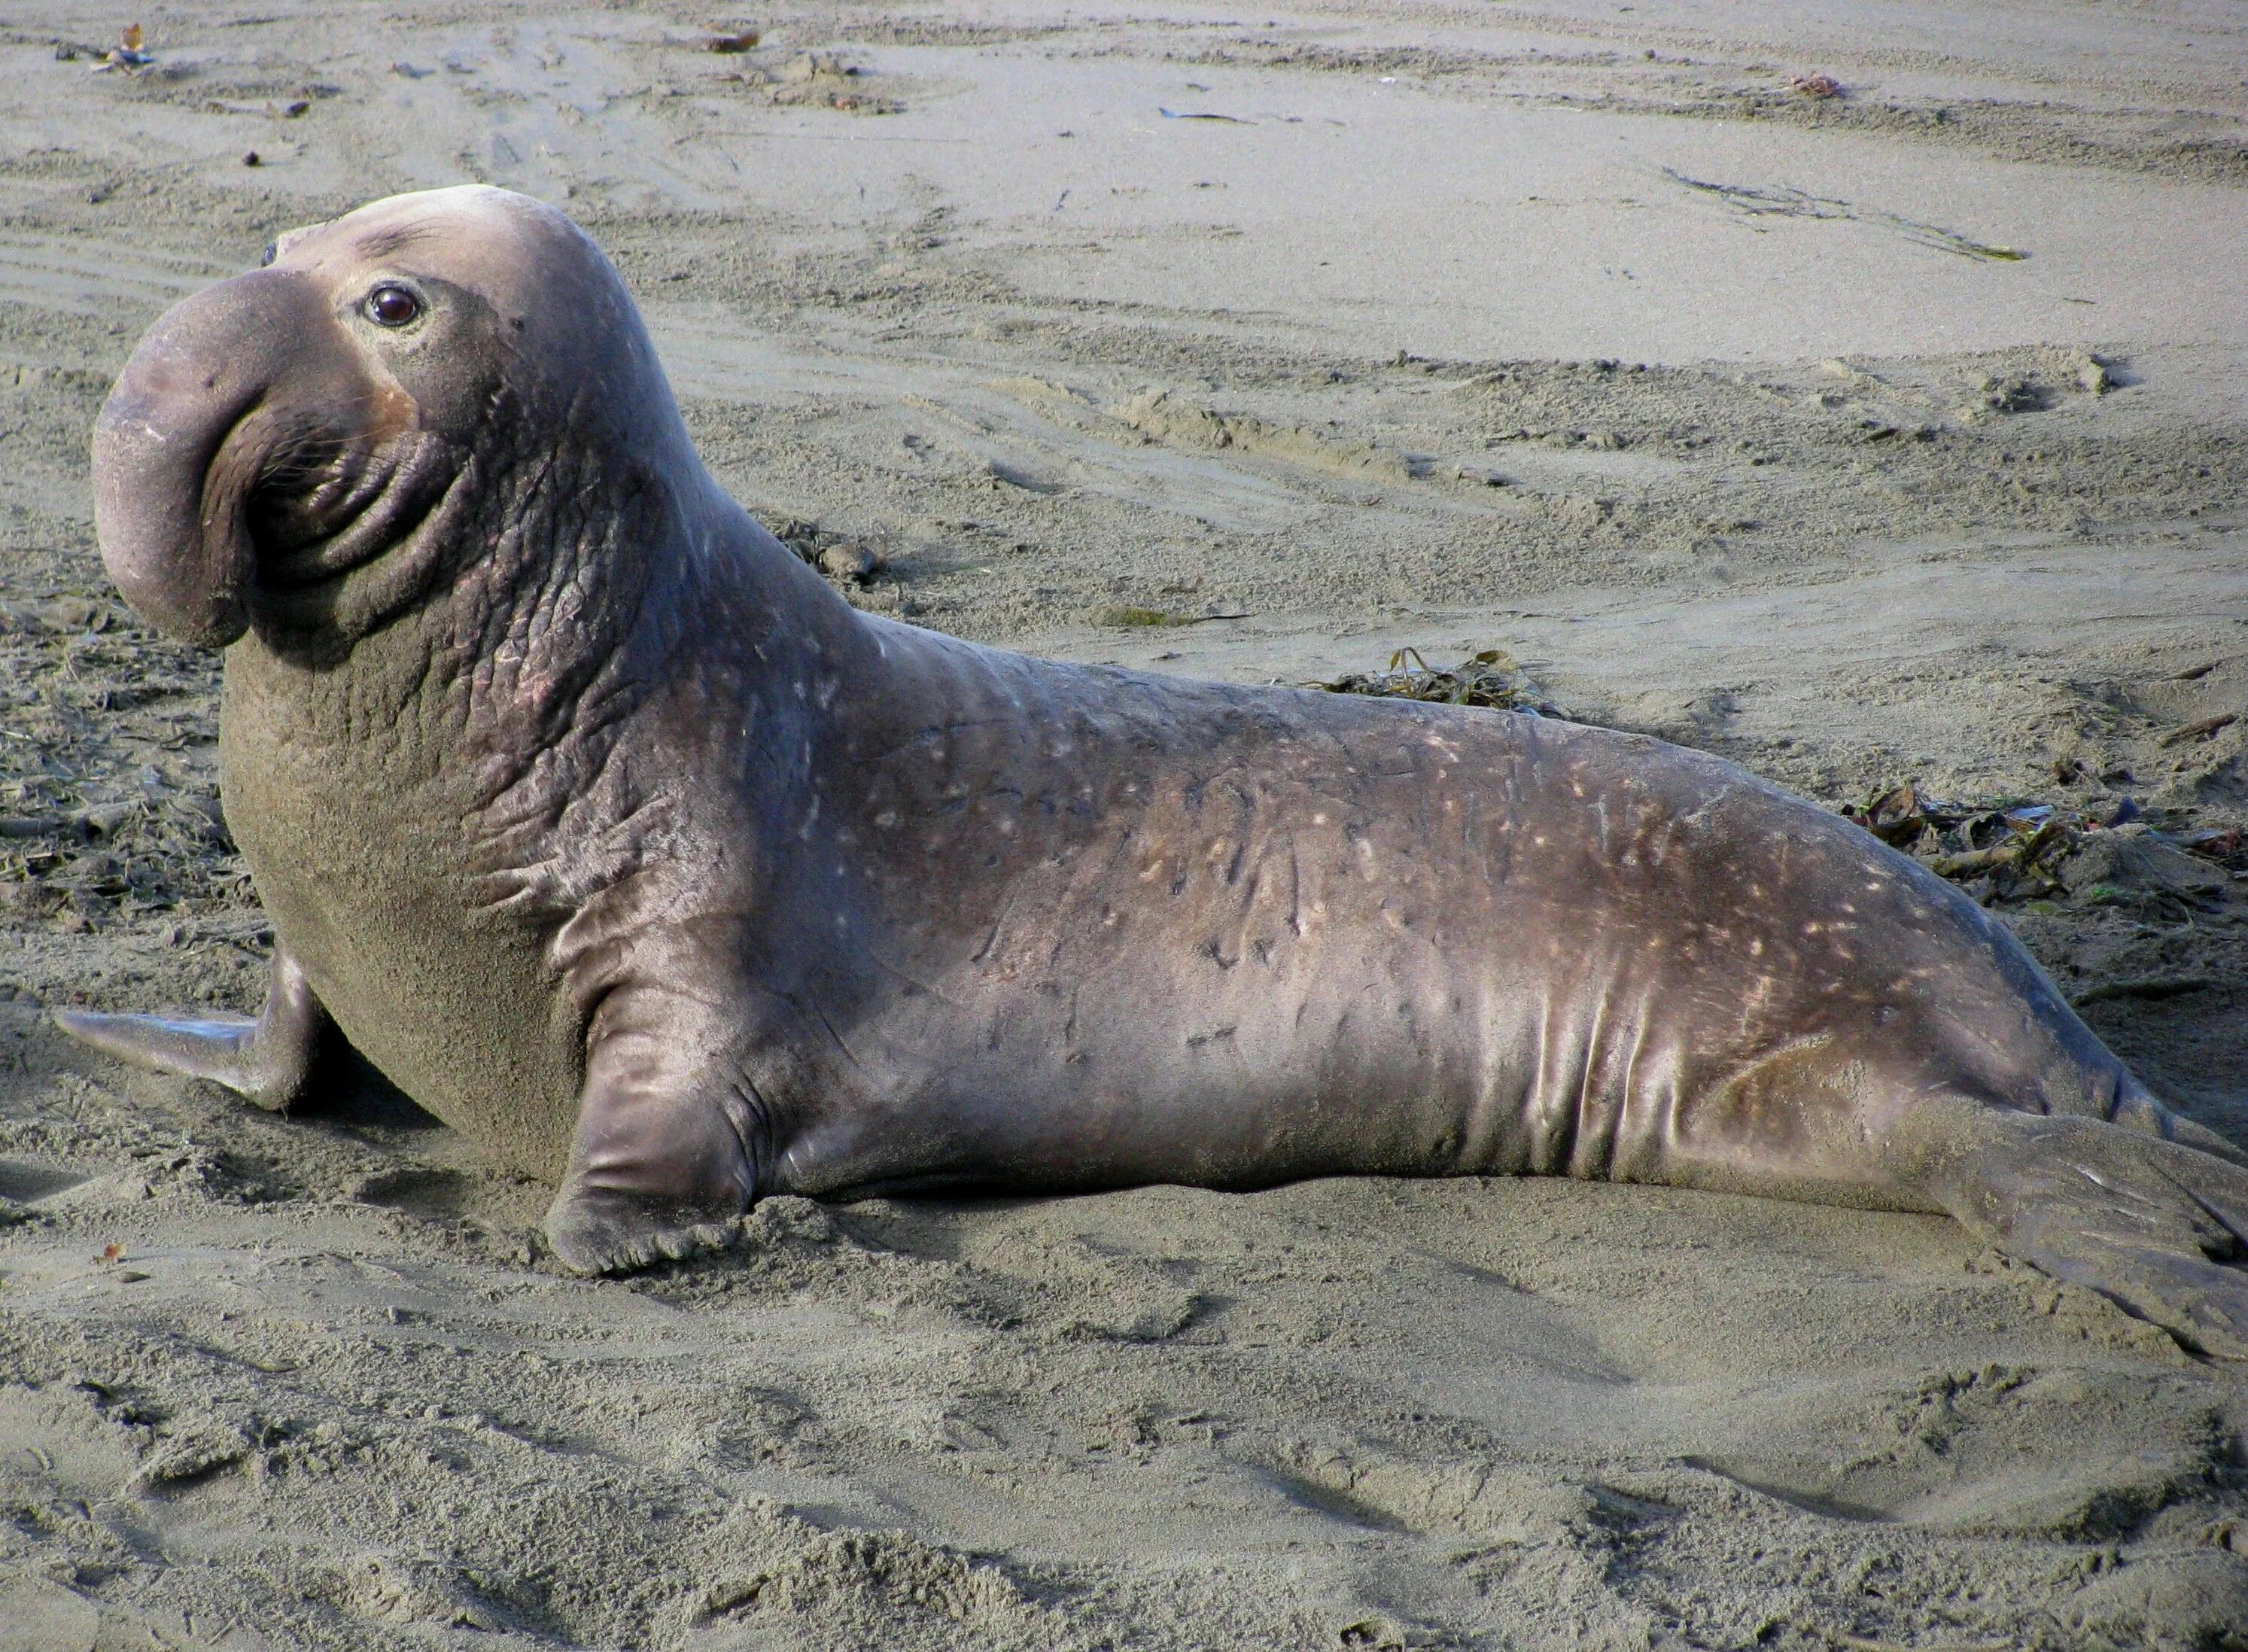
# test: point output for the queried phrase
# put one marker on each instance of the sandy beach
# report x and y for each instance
(1857, 390)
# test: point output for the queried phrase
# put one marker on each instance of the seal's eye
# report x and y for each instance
(392, 306)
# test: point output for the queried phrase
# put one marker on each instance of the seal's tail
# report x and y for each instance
(2150, 1210)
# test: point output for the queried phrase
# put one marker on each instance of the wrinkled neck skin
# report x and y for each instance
(575, 711)
(511, 640)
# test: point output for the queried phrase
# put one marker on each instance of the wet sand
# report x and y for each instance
(1583, 331)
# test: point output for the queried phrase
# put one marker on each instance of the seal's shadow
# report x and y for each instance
(430, 1171)
(345, 1089)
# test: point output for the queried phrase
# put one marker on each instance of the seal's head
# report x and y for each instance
(310, 447)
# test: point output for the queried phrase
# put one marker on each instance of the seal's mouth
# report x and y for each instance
(306, 494)
(322, 505)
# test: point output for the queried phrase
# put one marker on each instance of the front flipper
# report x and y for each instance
(2155, 1226)
(266, 1060)
(664, 1159)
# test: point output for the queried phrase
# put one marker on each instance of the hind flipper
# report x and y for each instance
(266, 1060)
(2159, 1227)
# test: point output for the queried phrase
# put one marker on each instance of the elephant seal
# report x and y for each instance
(615, 838)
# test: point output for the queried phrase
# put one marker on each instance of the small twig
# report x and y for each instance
(2145, 986)
(2200, 730)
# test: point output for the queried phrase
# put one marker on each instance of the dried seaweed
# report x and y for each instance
(1126, 617)
(2018, 850)
(2008, 850)
(1787, 202)
(1490, 679)
(844, 559)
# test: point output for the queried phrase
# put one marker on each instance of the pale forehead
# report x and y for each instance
(473, 234)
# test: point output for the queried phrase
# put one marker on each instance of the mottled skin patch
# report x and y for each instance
(620, 842)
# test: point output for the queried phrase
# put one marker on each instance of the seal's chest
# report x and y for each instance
(368, 883)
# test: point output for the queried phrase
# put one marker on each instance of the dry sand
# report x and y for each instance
(1573, 330)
